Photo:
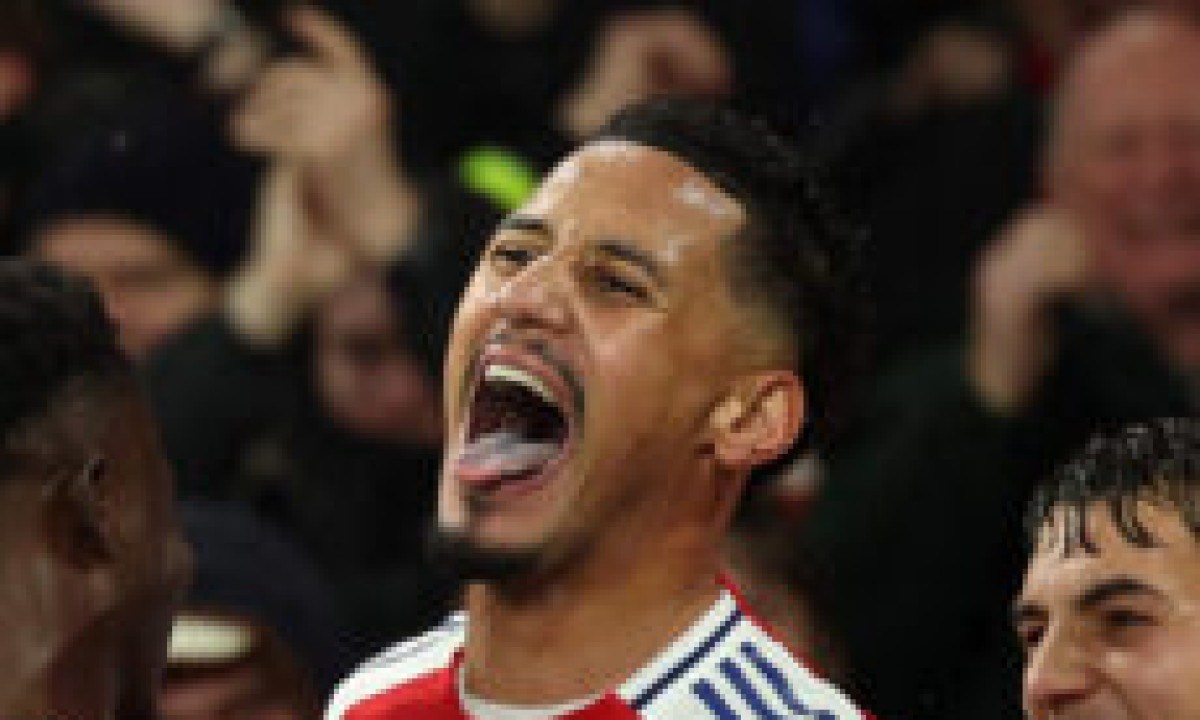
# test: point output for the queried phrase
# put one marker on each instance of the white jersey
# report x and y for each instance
(726, 666)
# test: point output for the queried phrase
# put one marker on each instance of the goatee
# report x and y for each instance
(454, 553)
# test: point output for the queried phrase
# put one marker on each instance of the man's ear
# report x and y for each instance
(81, 523)
(759, 420)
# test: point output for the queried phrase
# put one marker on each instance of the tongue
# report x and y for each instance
(501, 455)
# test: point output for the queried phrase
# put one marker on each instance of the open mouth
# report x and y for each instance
(518, 426)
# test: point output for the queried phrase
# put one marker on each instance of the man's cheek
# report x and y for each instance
(469, 321)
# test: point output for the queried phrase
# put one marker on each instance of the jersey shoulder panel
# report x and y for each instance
(733, 668)
(402, 663)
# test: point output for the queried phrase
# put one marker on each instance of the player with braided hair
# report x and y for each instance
(91, 556)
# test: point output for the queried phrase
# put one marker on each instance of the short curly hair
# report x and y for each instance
(55, 340)
(797, 258)
(1156, 461)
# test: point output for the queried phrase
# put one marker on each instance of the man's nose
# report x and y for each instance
(539, 295)
(1058, 675)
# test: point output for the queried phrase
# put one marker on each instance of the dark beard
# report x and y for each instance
(457, 556)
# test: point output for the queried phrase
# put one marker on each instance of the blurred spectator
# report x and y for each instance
(939, 145)
(216, 46)
(532, 75)
(535, 75)
(155, 210)
(333, 435)
(21, 39)
(1051, 29)
(87, 74)
(21, 50)
(311, 396)
(366, 375)
(93, 558)
(249, 644)
(1083, 315)
(934, 153)
(327, 114)
(887, 30)
(312, 399)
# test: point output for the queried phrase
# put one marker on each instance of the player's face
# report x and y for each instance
(588, 350)
(1113, 634)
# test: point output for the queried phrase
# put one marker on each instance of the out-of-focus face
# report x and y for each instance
(587, 354)
(17, 80)
(513, 17)
(149, 287)
(1089, 13)
(1061, 25)
(367, 380)
(1113, 634)
(245, 672)
(158, 560)
(1127, 161)
(114, 586)
(235, 694)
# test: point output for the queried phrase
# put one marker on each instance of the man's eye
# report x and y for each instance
(1121, 619)
(1030, 636)
(510, 255)
(612, 283)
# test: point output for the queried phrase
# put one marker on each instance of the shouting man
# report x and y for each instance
(663, 318)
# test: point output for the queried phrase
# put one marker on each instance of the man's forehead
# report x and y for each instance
(1144, 52)
(641, 176)
(1060, 558)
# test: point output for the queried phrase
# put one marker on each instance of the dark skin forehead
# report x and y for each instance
(98, 421)
(68, 432)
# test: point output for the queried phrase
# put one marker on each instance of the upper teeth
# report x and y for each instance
(517, 376)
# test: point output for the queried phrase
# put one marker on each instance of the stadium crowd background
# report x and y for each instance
(280, 204)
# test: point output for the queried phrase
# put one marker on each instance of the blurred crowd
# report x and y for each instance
(281, 202)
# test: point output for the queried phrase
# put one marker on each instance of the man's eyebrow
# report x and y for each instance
(524, 223)
(1106, 590)
(635, 256)
(1095, 596)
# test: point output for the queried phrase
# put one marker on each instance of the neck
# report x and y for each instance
(72, 677)
(586, 631)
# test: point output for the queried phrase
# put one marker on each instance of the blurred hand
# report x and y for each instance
(178, 25)
(643, 55)
(952, 63)
(1040, 259)
(329, 114)
(292, 264)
